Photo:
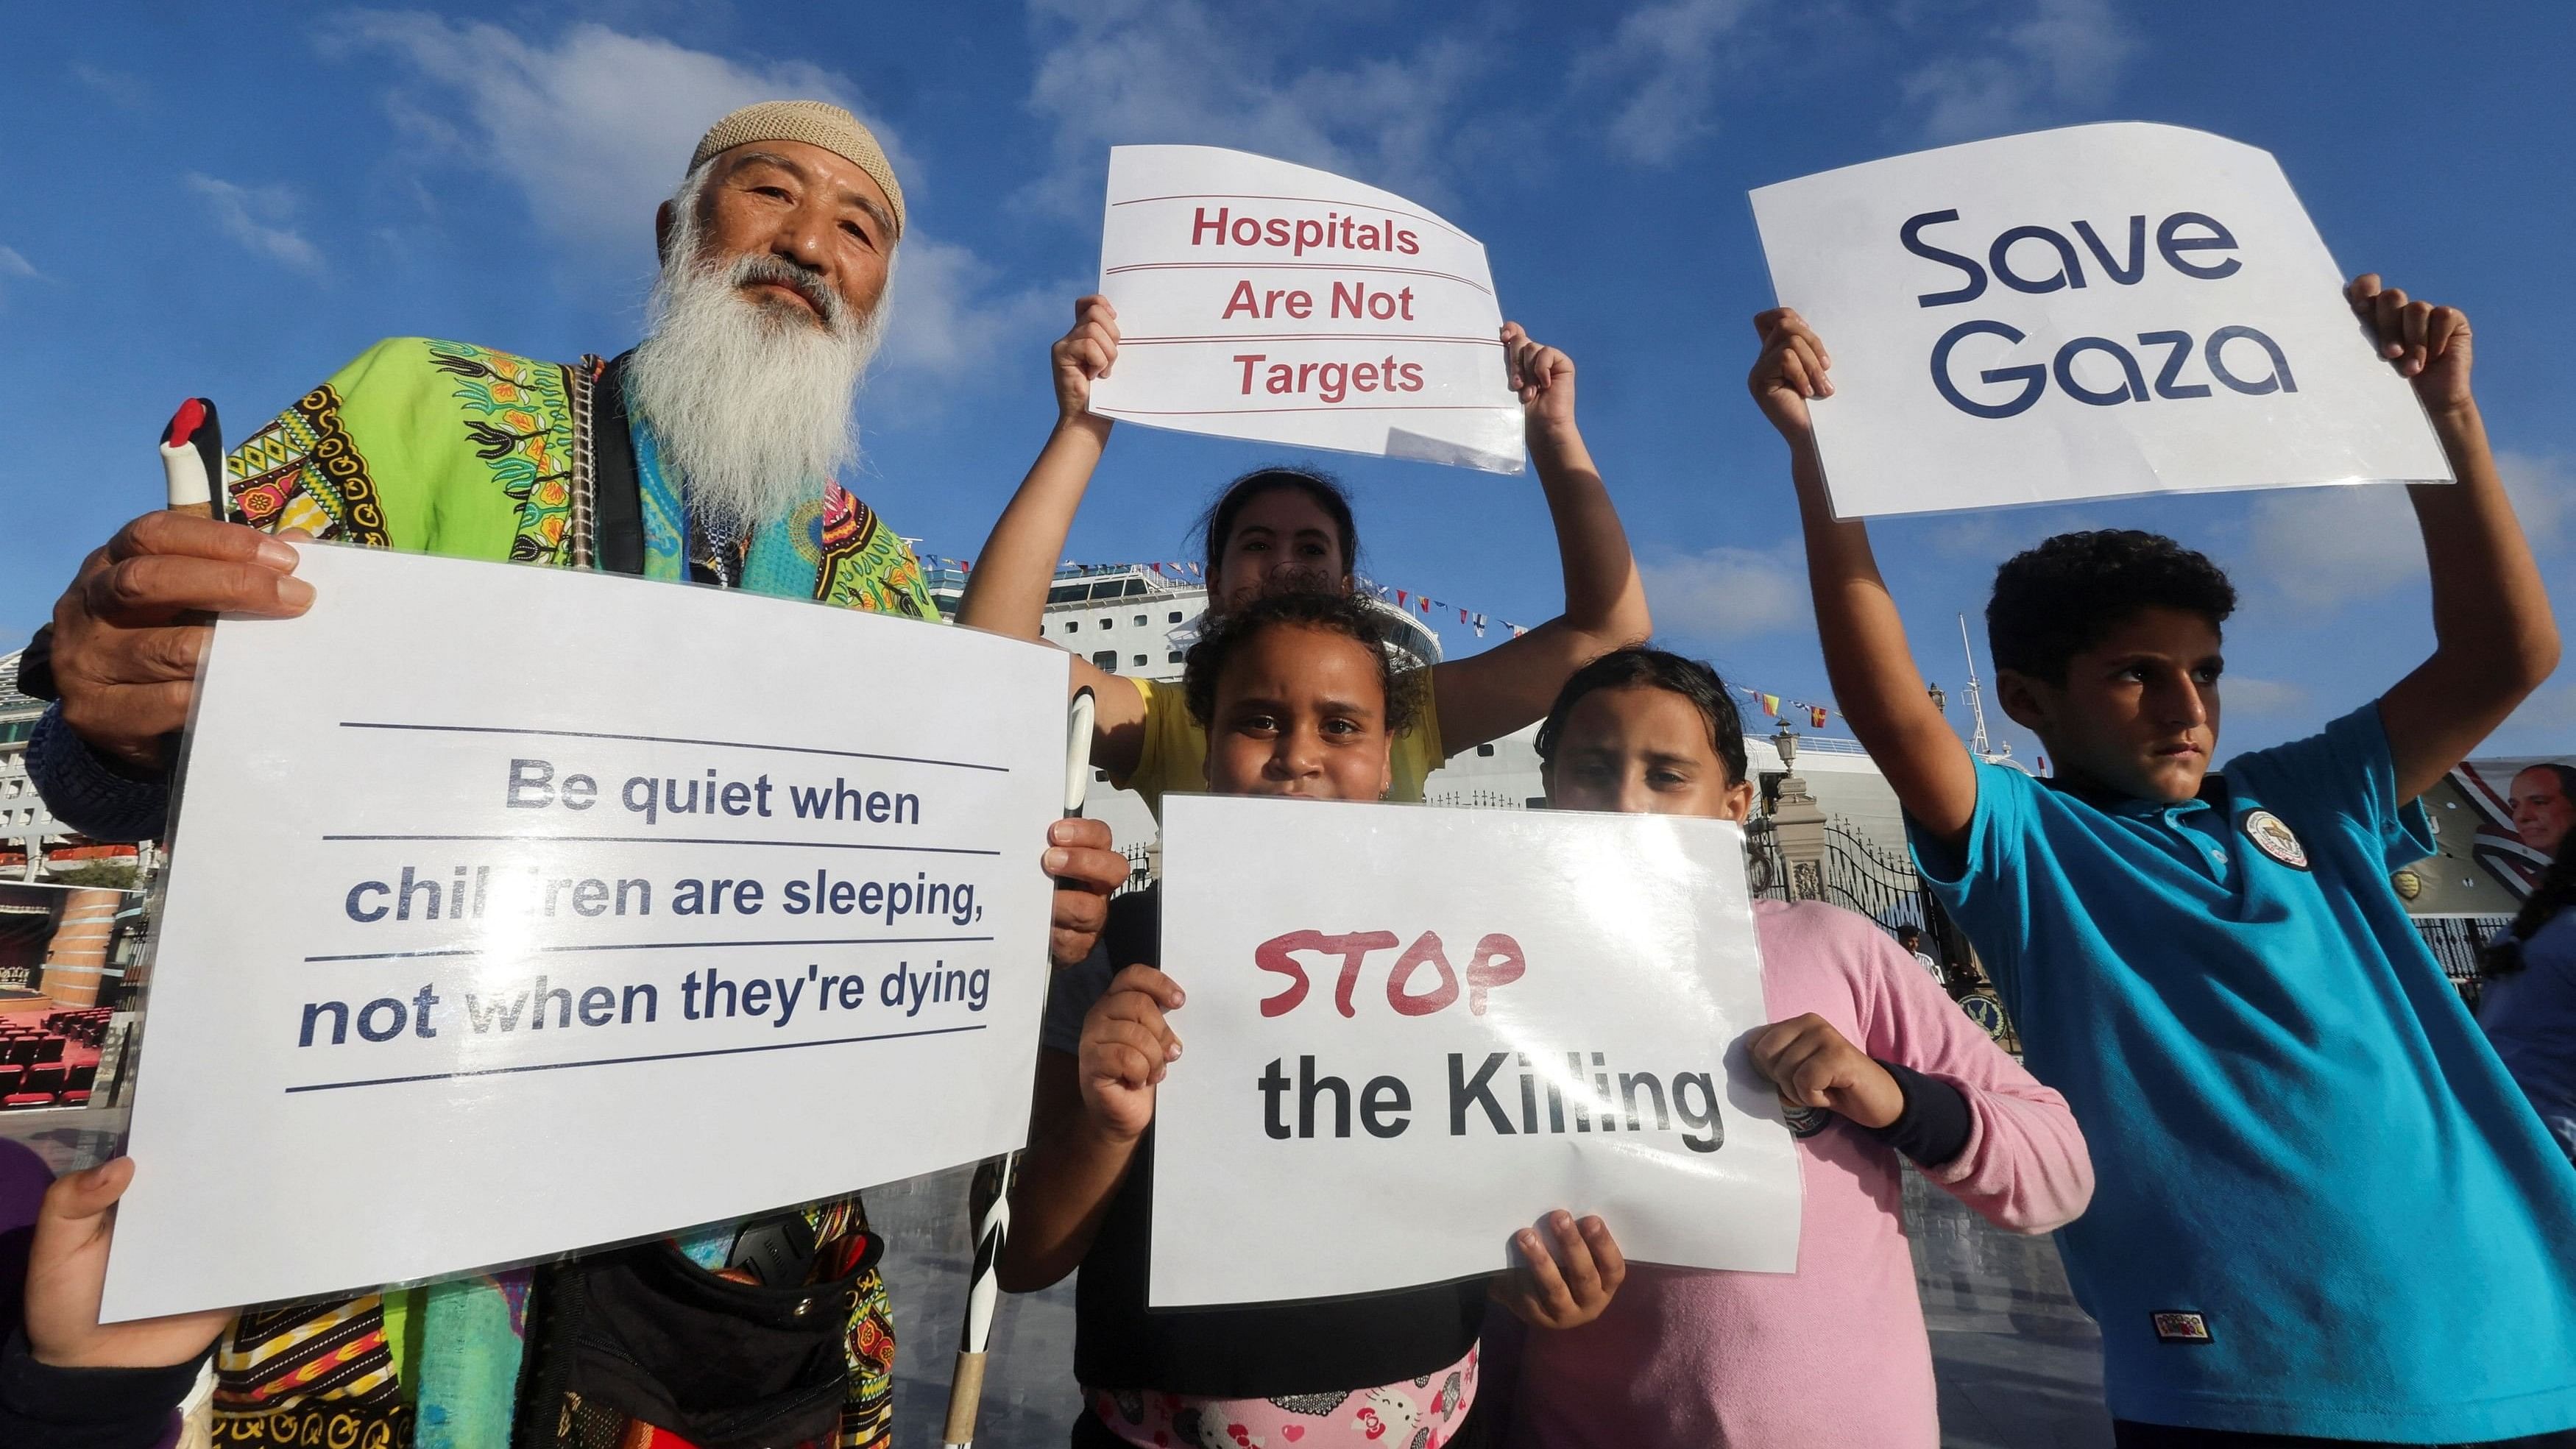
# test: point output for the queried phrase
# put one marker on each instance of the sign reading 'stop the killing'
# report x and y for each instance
(2082, 313)
(1262, 300)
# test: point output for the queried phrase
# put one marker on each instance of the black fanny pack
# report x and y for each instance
(644, 1333)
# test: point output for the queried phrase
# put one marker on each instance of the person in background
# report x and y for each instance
(1291, 527)
(1911, 938)
(2544, 806)
(1873, 1064)
(2325, 1214)
(1300, 698)
(2528, 1002)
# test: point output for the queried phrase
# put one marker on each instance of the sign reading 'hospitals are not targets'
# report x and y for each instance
(2082, 313)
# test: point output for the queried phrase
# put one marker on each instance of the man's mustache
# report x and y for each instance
(806, 283)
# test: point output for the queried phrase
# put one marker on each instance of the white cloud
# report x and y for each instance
(1662, 63)
(1728, 592)
(260, 218)
(2323, 547)
(2061, 53)
(2543, 491)
(127, 92)
(14, 267)
(951, 320)
(1133, 71)
(594, 129)
(2243, 695)
(2545, 724)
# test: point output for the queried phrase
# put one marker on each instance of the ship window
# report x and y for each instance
(1106, 659)
(1070, 625)
(1174, 618)
(1485, 750)
(1107, 589)
(1135, 587)
(1067, 593)
(1140, 621)
(1109, 623)
(1140, 661)
(1176, 657)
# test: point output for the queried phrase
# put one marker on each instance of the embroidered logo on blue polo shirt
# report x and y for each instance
(2272, 836)
(2181, 1327)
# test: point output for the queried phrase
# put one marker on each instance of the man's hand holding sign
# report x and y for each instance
(546, 916)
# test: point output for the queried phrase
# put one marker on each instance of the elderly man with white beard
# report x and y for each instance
(707, 454)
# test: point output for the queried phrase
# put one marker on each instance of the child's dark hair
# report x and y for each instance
(1223, 635)
(2555, 893)
(1216, 525)
(2057, 600)
(1638, 667)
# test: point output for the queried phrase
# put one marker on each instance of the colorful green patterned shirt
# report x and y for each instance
(448, 448)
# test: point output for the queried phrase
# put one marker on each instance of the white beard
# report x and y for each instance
(749, 401)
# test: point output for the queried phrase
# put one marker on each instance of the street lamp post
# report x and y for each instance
(1797, 823)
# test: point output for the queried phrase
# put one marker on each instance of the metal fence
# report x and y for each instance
(1860, 875)
(2460, 944)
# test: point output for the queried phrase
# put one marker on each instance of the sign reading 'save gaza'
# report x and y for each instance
(2082, 313)
(1427, 1028)
(471, 956)
(1262, 300)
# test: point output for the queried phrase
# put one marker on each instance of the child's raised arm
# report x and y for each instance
(1874, 678)
(1494, 693)
(2495, 641)
(1007, 592)
(1090, 1111)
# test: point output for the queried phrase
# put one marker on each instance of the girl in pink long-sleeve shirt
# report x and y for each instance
(1873, 1060)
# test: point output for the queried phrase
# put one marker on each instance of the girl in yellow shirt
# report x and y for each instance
(1284, 528)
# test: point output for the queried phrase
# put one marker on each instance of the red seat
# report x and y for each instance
(82, 1077)
(50, 1049)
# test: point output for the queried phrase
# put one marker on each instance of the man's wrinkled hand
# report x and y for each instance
(1087, 867)
(129, 632)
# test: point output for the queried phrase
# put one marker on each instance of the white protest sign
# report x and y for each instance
(1262, 300)
(2083, 313)
(514, 911)
(1412, 1031)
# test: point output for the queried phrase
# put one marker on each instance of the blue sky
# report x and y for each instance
(233, 200)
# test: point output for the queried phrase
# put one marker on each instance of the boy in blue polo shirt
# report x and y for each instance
(2323, 1211)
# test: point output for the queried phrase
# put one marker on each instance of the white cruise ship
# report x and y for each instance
(1138, 619)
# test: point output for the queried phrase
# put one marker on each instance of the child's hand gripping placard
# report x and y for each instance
(1412, 1031)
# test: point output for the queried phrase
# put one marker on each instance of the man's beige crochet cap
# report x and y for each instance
(816, 123)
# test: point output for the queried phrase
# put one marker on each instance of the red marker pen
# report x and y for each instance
(192, 457)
